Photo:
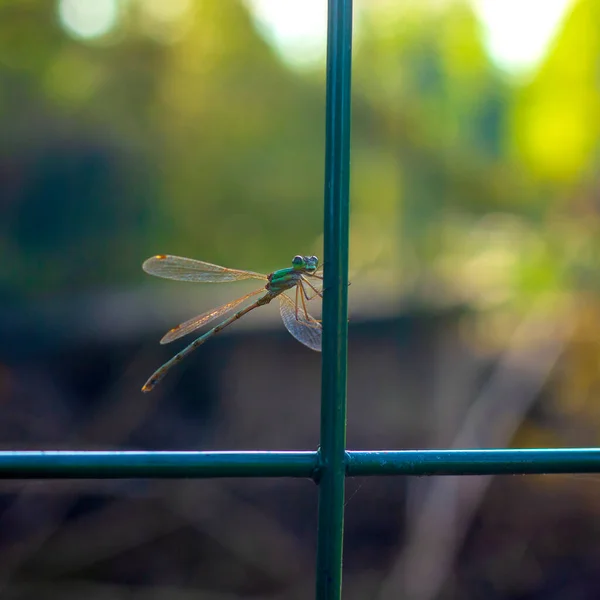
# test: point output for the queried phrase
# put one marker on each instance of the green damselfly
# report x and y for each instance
(304, 277)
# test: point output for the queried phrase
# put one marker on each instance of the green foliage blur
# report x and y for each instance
(194, 137)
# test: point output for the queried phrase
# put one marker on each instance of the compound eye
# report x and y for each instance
(314, 260)
(298, 261)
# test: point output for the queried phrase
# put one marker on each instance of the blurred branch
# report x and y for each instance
(441, 521)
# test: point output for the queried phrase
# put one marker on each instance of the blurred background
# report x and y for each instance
(196, 127)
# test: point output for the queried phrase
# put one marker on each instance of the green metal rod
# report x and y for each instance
(473, 462)
(163, 465)
(335, 302)
(33, 464)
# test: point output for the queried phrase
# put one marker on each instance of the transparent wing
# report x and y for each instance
(203, 319)
(188, 269)
(305, 328)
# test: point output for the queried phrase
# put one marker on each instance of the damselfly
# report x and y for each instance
(304, 277)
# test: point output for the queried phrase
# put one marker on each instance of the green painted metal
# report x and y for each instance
(115, 465)
(335, 302)
(34, 464)
(473, 462)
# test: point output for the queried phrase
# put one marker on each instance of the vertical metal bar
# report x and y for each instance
(335, 302)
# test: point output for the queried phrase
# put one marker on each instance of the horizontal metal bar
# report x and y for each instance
(473, 462)
(162, 465)
(140, 464)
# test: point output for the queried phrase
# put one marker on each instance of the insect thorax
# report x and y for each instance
(281, 280)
